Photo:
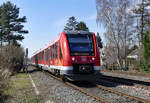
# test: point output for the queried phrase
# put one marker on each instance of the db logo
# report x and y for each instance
(83, 59)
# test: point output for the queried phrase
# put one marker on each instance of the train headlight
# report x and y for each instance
(93, 58)
(73, 58)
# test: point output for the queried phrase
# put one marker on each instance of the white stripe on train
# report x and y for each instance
(65, 67)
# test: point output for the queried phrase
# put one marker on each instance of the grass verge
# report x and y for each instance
(20, 90)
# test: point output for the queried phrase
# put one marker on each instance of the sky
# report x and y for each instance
(47, 18)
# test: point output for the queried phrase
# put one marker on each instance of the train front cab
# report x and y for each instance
(81, 57)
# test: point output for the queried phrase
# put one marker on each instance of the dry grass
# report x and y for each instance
(11, 61)
(20, 90)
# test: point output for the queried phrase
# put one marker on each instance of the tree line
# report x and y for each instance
(127, 24)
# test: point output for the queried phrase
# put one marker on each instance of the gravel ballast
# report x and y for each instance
(146, 79)
(57, 92)
(128, 89)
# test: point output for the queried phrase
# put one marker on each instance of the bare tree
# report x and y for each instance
(115, 16)
(141, 12)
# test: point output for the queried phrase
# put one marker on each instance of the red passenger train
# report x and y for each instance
(73, 55)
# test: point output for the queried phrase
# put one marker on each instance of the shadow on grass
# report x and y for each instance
(30, 69)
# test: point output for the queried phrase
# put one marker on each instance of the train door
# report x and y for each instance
(36, 60)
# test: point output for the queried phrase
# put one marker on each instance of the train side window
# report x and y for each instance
(56, 50)
(50, 53)
(47, 55)
(42, 55)
(53, 52)
(60, 51)
(39, 56)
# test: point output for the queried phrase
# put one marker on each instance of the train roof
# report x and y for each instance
(57, 38)
(52, 42)
(78, 32)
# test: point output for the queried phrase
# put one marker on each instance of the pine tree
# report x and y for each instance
(71, 25)
(99, 41)
(11, 23)
(142, 14)
(82, 26)
(146, 43)
(146, 53)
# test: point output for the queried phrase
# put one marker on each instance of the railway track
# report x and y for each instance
(102, 100)
(137, 99)
(122, 81)
(129, 73)
(123, 97)
(86, 91)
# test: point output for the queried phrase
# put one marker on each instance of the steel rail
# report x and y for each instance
(128, 81)
(128, 73)
(140, 100)
(103, 100)
(80, 89)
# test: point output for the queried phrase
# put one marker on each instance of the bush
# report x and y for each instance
(145, 66)
(11, 60)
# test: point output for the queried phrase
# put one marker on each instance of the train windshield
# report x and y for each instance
(81, 44)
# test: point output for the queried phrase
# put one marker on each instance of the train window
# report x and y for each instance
(39, 57)
(47, 55)
(81, 44)
(60, 51)
(56, 50)
(53, 51)
(50, 53)
(42, 55)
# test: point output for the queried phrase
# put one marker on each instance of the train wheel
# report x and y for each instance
(64, 79)
(55, 72)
